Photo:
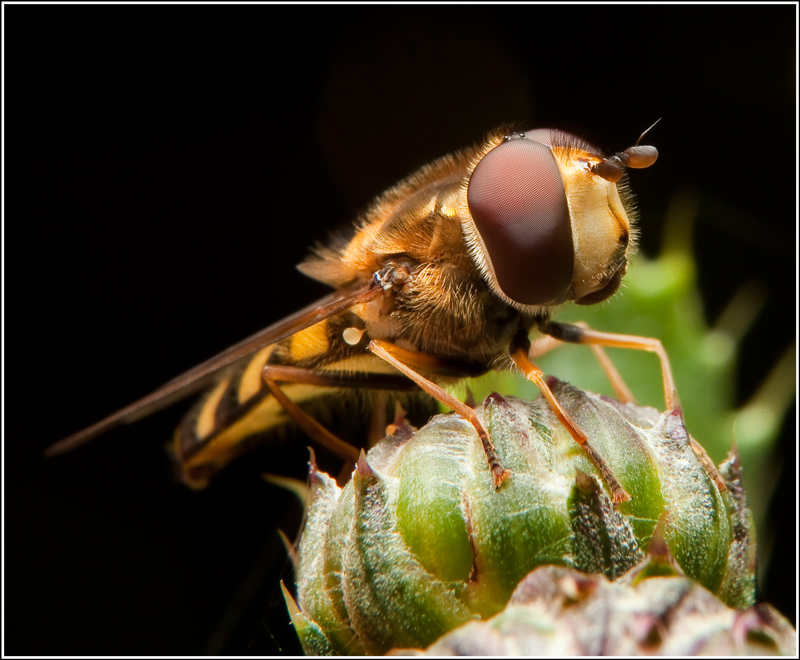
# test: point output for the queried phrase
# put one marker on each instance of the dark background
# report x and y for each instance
(167, 166)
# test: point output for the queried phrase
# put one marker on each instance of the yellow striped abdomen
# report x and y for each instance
(240, 409)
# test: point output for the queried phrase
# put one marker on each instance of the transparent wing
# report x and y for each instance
(203, 374)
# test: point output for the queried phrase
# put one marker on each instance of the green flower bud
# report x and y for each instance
(420, 542)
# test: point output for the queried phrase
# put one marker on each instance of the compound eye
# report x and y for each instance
(517, 201)
(554, 137)
(543, 135)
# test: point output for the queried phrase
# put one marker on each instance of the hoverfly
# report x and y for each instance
(448, 274)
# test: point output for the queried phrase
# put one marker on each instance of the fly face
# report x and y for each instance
(545, 226)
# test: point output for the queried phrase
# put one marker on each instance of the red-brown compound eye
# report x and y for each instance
(516, 198)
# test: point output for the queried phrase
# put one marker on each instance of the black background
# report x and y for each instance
(166, 166)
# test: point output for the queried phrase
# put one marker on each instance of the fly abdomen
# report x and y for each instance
(240, 410)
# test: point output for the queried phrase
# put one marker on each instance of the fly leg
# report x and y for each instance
(405, 361)
(548, 343)
(575, 334)
(535, 375)
(582, 335)
(274, 374)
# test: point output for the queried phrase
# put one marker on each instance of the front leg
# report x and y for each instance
(577, 334)
(548, 343)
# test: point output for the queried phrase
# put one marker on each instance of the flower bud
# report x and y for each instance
(420, 542)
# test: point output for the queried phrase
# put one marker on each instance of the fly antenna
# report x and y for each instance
(647, 130)
(612, 168)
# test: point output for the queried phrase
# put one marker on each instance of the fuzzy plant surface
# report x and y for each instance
(419, 542)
